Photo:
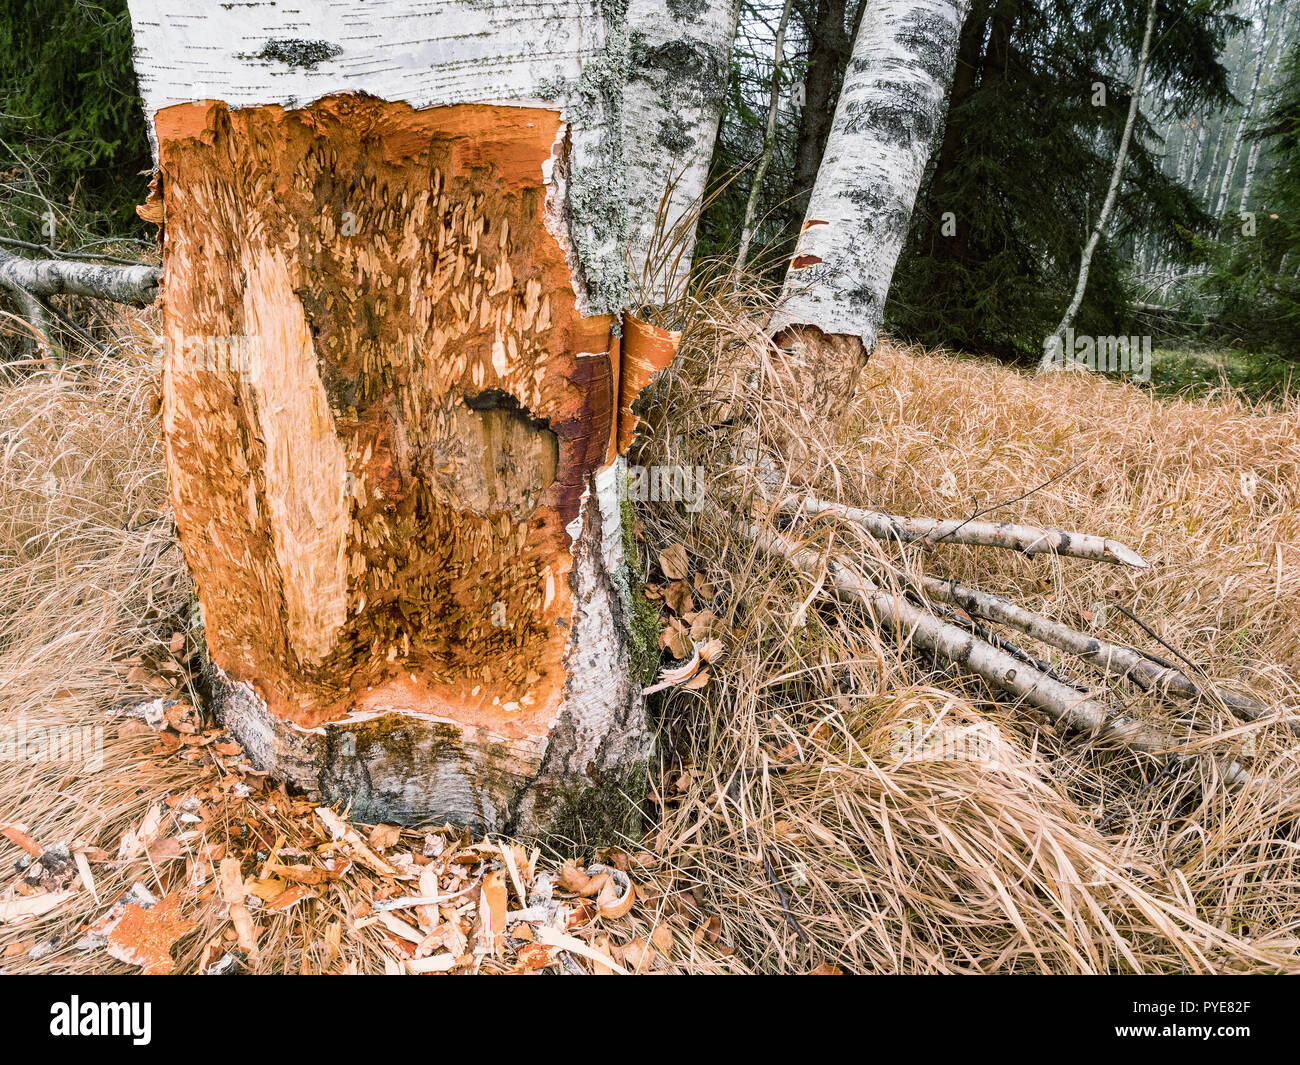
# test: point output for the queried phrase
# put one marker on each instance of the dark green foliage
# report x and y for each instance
(72, 123)
(1025, 161)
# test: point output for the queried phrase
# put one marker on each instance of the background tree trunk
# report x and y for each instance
(391, 399)
(1053, 346)
(828, 56)
(889, 110)
(1247, 113)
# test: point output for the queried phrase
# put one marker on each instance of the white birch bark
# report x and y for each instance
(679, 63)
(889, 110)
(565, 55)
(1247, 113)
(1214, 161)
(1052, 346)
(1256, 144)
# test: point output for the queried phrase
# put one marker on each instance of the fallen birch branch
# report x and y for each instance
(1113, 659)
(1029, 540)
(39, 278)
(949, 643)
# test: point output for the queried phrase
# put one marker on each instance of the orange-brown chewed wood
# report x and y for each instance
(381, 404)
(825, 366)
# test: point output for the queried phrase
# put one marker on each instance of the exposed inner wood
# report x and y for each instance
(374, 498)
(827, 365)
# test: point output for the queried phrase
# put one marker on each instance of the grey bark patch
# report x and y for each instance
(293, 52)
(674, 136)
(687, 10)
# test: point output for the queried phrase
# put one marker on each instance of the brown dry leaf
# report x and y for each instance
(677, 639)
(826, 969)
(704, 588)
(674, 563)
(700, 680)
(677, 597)
(146, 937)
(662, 938)
(703, 625)
(638, 955)
(572, 878)
(384, 836)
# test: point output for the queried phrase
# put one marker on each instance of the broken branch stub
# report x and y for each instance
(394, 475)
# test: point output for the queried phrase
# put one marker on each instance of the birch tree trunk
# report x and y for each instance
(890, 107)
(1253, 160)
(679, 65)
(394, 252)
(1214, 162)
(1234, 152)
(1052, 347)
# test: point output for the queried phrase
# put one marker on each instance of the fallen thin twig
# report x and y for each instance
(1113, 659)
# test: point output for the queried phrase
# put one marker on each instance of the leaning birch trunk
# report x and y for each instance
(679, 65)
(1054, 353)
(889, 109)
(392, 259)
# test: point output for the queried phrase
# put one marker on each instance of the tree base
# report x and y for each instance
(406, 767)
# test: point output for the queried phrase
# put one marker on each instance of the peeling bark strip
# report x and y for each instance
(885, 122)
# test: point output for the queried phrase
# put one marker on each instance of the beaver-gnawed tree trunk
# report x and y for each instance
(394, 398)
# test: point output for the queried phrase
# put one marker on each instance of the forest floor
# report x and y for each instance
(785, 831)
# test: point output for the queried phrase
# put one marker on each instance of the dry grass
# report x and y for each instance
(1048, 854)
(792, 817)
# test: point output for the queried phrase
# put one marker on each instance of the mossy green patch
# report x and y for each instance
(603, 814)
